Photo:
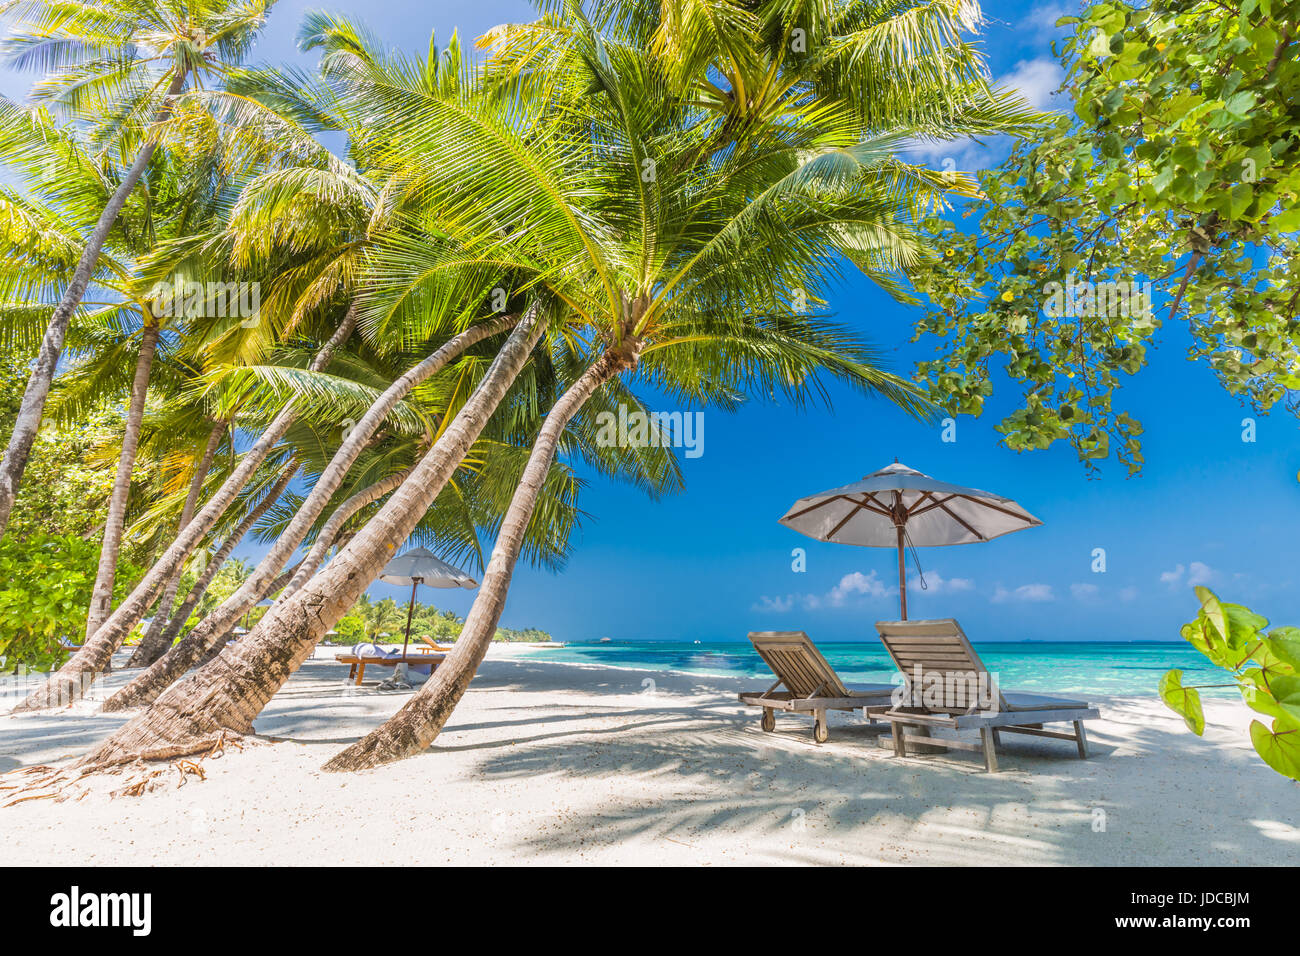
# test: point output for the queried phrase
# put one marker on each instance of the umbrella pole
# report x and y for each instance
(902, 573)
(410, 612)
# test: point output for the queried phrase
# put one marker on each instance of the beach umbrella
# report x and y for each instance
(265, 602)
(898, 507)
(419, 566)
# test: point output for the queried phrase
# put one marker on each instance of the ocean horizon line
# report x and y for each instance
(1175, 641)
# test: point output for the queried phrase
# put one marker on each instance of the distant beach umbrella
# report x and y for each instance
(419, 566)
(898, 507)
(265, 602)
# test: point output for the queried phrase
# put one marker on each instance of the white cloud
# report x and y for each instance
(936, 583)
(1084, 592)
(956, 155)
(857, 584)
(1128, 594)
(855, 587)
(1197, 572)
(1026, 592)
(1044, 16)
(1036, 79)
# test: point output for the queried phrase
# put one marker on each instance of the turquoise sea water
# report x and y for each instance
(1059, 667)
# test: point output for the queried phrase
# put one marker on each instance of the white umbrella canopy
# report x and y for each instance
(899, 506)
(419, 566)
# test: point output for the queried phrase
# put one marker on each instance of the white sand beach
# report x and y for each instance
(553, 763)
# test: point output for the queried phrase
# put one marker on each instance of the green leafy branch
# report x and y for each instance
(1263, 667)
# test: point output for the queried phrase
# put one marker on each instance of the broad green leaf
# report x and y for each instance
(1214, 612)
(1280, 746)
(1259, 699)
(1286, 220)
(1243, 623)
(1184, 701)
(1285, 643)
(1195, 633)
(1286, 691)
(1202, 635)
(1240, 104)
(1273, 666)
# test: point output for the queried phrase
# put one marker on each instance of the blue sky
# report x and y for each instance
(712, 563)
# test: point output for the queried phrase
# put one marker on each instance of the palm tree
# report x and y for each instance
(79, 184)
(130, 59)
(295, 227)
(154, 640)
(377, 616)
(209, 632)
(180, 193)
(187, 189)
(684, 276)
(297, 196)
(75, 677)
(770, 208)
(168, 623)
(307, 272)
(264, 658)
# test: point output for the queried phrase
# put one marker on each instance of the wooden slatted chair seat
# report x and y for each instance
(811, 684)
(949, 686)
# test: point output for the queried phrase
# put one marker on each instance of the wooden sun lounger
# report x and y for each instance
(951, 672)
(432, 646)
(812, 686)
(359, 663)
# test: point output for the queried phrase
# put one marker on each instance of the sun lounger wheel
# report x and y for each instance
(821, 732)
(768, 721)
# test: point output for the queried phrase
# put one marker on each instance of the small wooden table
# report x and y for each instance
(359, 663)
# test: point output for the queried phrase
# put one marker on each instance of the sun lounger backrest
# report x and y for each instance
(795, 659)
(941, 654)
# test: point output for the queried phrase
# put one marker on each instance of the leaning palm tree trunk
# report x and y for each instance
(219, 646)
(32, 408)
(298, 575)
(211, 631)
(330, 531)
(210, 569)
(231, 691)
(177, 660)
(416, 725)
(139, 690)
(74, 678)
(101, 598)
(153, 644)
